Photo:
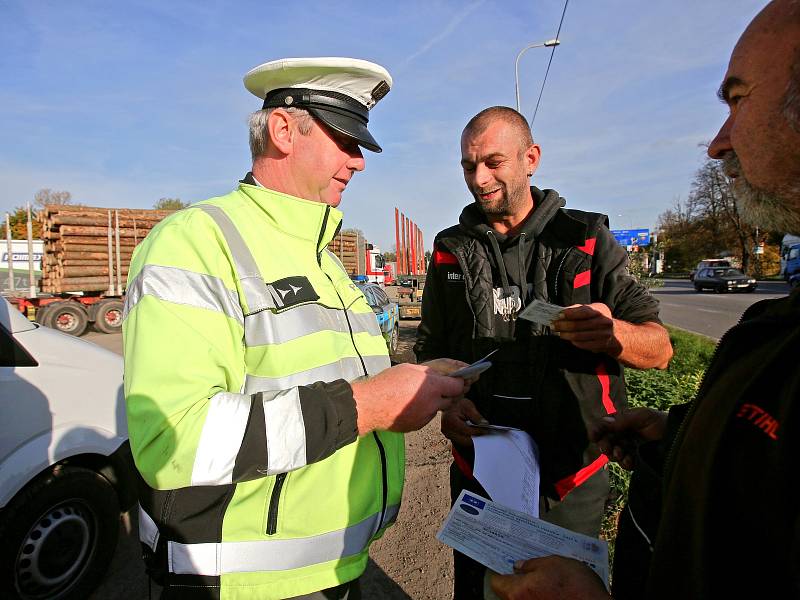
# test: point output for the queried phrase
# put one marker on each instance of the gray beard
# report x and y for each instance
(760, 208)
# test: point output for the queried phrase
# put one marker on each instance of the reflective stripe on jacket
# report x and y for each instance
(241, 332)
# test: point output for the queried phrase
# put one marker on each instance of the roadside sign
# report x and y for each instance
(631, 238)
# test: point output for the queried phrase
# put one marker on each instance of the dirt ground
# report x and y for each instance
(408, 562)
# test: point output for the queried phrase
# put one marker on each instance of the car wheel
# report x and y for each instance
(394, 339)
(69, 317)
(59, 535)
(698, 288)
(720, 289)
(108, 316)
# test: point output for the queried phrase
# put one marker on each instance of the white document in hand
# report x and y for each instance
(540, 312)
(497, 537)
(507, 466)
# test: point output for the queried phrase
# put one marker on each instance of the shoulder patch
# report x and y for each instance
(292, 290)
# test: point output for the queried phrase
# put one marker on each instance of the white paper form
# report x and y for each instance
(497, 537)
(507, 466)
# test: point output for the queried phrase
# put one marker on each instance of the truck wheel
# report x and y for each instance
(59, 535)
(394, 339)
(44, 314)
(108, 316)
(69, 317)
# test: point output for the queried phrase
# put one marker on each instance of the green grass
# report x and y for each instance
(658, 389)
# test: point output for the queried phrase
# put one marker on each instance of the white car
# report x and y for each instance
(65, 464)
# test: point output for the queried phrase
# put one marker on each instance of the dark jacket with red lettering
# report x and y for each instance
(730, 523)
(538, 382)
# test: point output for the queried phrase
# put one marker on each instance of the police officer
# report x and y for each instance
(264, 419)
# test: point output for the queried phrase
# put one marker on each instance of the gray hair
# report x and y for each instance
(258, 127)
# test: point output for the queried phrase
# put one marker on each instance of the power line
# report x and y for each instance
(552, 53)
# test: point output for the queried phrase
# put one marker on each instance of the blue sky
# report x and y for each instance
(122, 103)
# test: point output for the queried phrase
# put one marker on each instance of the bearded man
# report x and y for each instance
(723, 467)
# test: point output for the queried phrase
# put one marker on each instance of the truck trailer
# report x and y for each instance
(84, 266)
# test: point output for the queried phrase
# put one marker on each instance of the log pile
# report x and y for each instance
(350, 247)
(88, 249)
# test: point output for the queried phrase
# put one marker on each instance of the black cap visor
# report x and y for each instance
(337, 111)
(346, 125)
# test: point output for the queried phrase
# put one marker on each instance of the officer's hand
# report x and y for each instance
(446, 366)
(549, 578)
(589, 327)
(618, 435)
(454, 422)
(404, 398)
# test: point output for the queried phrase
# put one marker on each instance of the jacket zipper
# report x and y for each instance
(558, 272)
(384, 479)
(274, 501)
(381, 449)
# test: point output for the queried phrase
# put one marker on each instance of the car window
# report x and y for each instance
(380, 296)
(12, 354)
(369, 296)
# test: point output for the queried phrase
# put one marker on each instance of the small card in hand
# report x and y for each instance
(540, 312)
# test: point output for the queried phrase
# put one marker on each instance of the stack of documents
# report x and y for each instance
(499, 533)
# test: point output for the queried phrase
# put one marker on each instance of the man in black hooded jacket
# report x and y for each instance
(514, 244)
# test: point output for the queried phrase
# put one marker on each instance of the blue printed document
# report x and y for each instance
(497, 537)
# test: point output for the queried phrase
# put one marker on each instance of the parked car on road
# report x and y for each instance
(792, 269)
(66, 472)
(709, 262)
(723, 279)
(386, 312)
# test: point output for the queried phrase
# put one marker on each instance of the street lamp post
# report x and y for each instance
(548, 43)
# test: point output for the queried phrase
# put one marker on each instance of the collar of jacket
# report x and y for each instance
(311, 221)
(546, 216)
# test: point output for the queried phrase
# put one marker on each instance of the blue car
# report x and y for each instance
(386, 311)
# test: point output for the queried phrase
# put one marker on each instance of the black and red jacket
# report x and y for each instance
(538, 382)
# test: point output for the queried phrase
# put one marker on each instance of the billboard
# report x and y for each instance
(632, 237)
(19, 253)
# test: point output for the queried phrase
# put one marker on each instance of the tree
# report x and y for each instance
(170, 204)
(19, 224)
(708, 225)
(47, 196)
(720, 219)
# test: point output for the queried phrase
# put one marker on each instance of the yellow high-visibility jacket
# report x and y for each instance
(241, 334)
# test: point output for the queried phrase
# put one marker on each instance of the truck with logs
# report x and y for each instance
(359, 257)
(85, 261)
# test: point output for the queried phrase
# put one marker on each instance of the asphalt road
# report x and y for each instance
(708, 313)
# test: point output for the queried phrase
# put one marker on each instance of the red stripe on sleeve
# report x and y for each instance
(566, 485)
(441, 257)
(570, 482)
(605, 387)
(582, 279)
(588, 247)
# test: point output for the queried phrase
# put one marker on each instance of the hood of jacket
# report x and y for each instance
(512, 255)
